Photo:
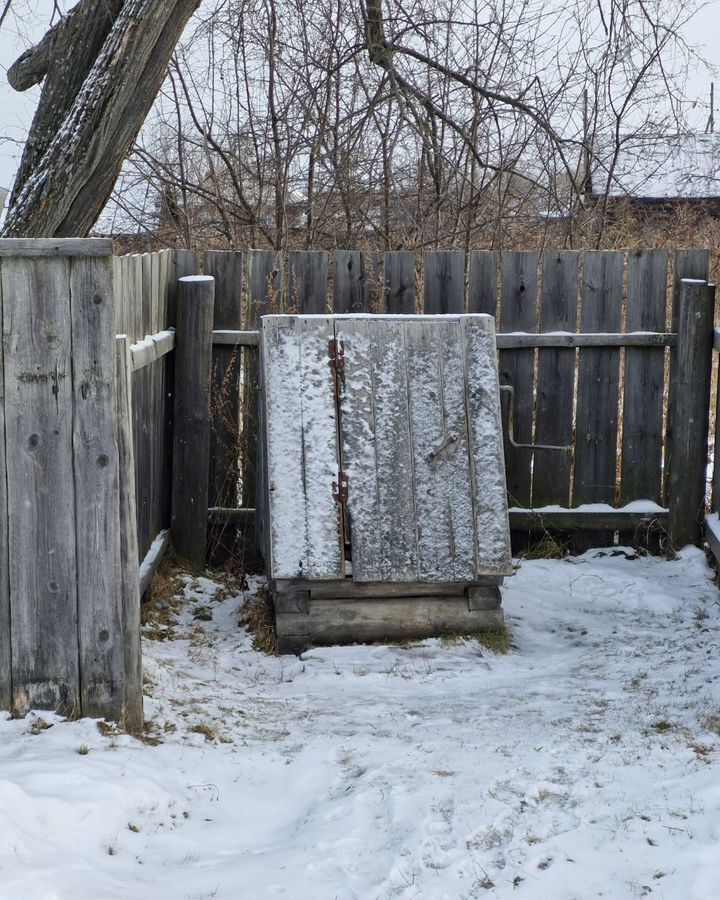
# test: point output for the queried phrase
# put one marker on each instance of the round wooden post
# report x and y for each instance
(690, 406)
(191, 446)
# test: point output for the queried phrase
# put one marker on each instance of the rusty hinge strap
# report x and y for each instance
(509, 389)
(340, 488)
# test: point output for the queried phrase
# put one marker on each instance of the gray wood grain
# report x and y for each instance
(376, 450)
(353, 277)
(41, 494)
(520, 340)
(399, 269)
(555, 380)
(482, 283)
(441, 465)
(644, 374)
(308, 284)
(225, 399)
(443, 282)
(691, 401)
(54, 247)
(97, 496)
(191, 447)
(517, 367)
(487, 469)
(598, 381)
(5, 667)
(132, 716)
(305, 524)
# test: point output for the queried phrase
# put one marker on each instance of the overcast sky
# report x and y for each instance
(16, 109)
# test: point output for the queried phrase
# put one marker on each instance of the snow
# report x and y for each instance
(581, 764)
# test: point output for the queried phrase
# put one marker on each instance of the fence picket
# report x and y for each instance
(308, 285)
(5, 668)
(399, 273)
(443, 282)
(482, 283)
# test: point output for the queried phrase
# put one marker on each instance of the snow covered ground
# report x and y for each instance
(584, 763)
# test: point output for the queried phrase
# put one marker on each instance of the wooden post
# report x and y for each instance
(690, 391)
(191, 446)
(129, 562)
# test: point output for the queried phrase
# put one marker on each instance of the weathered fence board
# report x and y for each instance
(517, 367)
(42, 547)
(443, 282)
(5, 668)
(598, 381)
(400, 282)
(555, 381)
(644, 375)
(225, 398)
(354, 275)
(482, 283)
(308, 284)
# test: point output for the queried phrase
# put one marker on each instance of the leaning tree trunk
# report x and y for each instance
(103, 67)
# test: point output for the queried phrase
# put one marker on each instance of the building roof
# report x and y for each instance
(664, 167)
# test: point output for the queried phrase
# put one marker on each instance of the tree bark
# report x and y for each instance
(90, 115)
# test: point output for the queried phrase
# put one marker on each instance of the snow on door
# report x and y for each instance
(407, 409)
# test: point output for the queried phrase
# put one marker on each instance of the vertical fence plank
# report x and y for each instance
(598, 385)
(686, 264)
(399, 276)
(41, 501)
(482, 283)
(555, 380)
(5, 669)
(308, 285)
(132, 717)
(641, 469)
(691, 402)
(225, 412)
(443, 282)
(140, 282)
(352, 282)
(191, 447)
(517, 313)
(97, 498)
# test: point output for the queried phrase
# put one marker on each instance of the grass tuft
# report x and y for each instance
(258, 618)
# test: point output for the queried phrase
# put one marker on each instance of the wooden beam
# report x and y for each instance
(220, 515)
(151, 348)
(522, 340)
(584, 520)
(227, 337)
(56, 247)
(153, 558)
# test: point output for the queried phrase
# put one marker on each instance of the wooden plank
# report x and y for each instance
(97, 494)
(686, 264)
(338, 621)
(40, 490)
(5, 666)
(132, 650)
(644, 375)
(571, 520)
(517, 367)
(555, 379)
(443, 282)
(191, 447)
(399, 275)
(233, 337)
(305, 525)
(55, 247)
(152, 560)
(482, 282)
(151, 349)
(484, 425)
(712, 535)
(349, 589)
(225, 400)
(353, 274)
(376, 450)
(520, 340)
(264, 296)
(691, 401)
(441, 465)
(222, 515)
(308, 285)
(598, 381)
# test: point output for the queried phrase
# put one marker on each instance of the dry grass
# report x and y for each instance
(258, 617)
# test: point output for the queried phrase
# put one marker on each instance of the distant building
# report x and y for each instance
(664, 170)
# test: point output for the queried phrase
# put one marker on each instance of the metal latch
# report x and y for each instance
(510, 390)
(340, 488)
(336, 353)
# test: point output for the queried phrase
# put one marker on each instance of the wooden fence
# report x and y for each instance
(605, 361)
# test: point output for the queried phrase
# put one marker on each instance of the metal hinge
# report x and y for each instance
(336, 353)
(510, 391)
(340, 488)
